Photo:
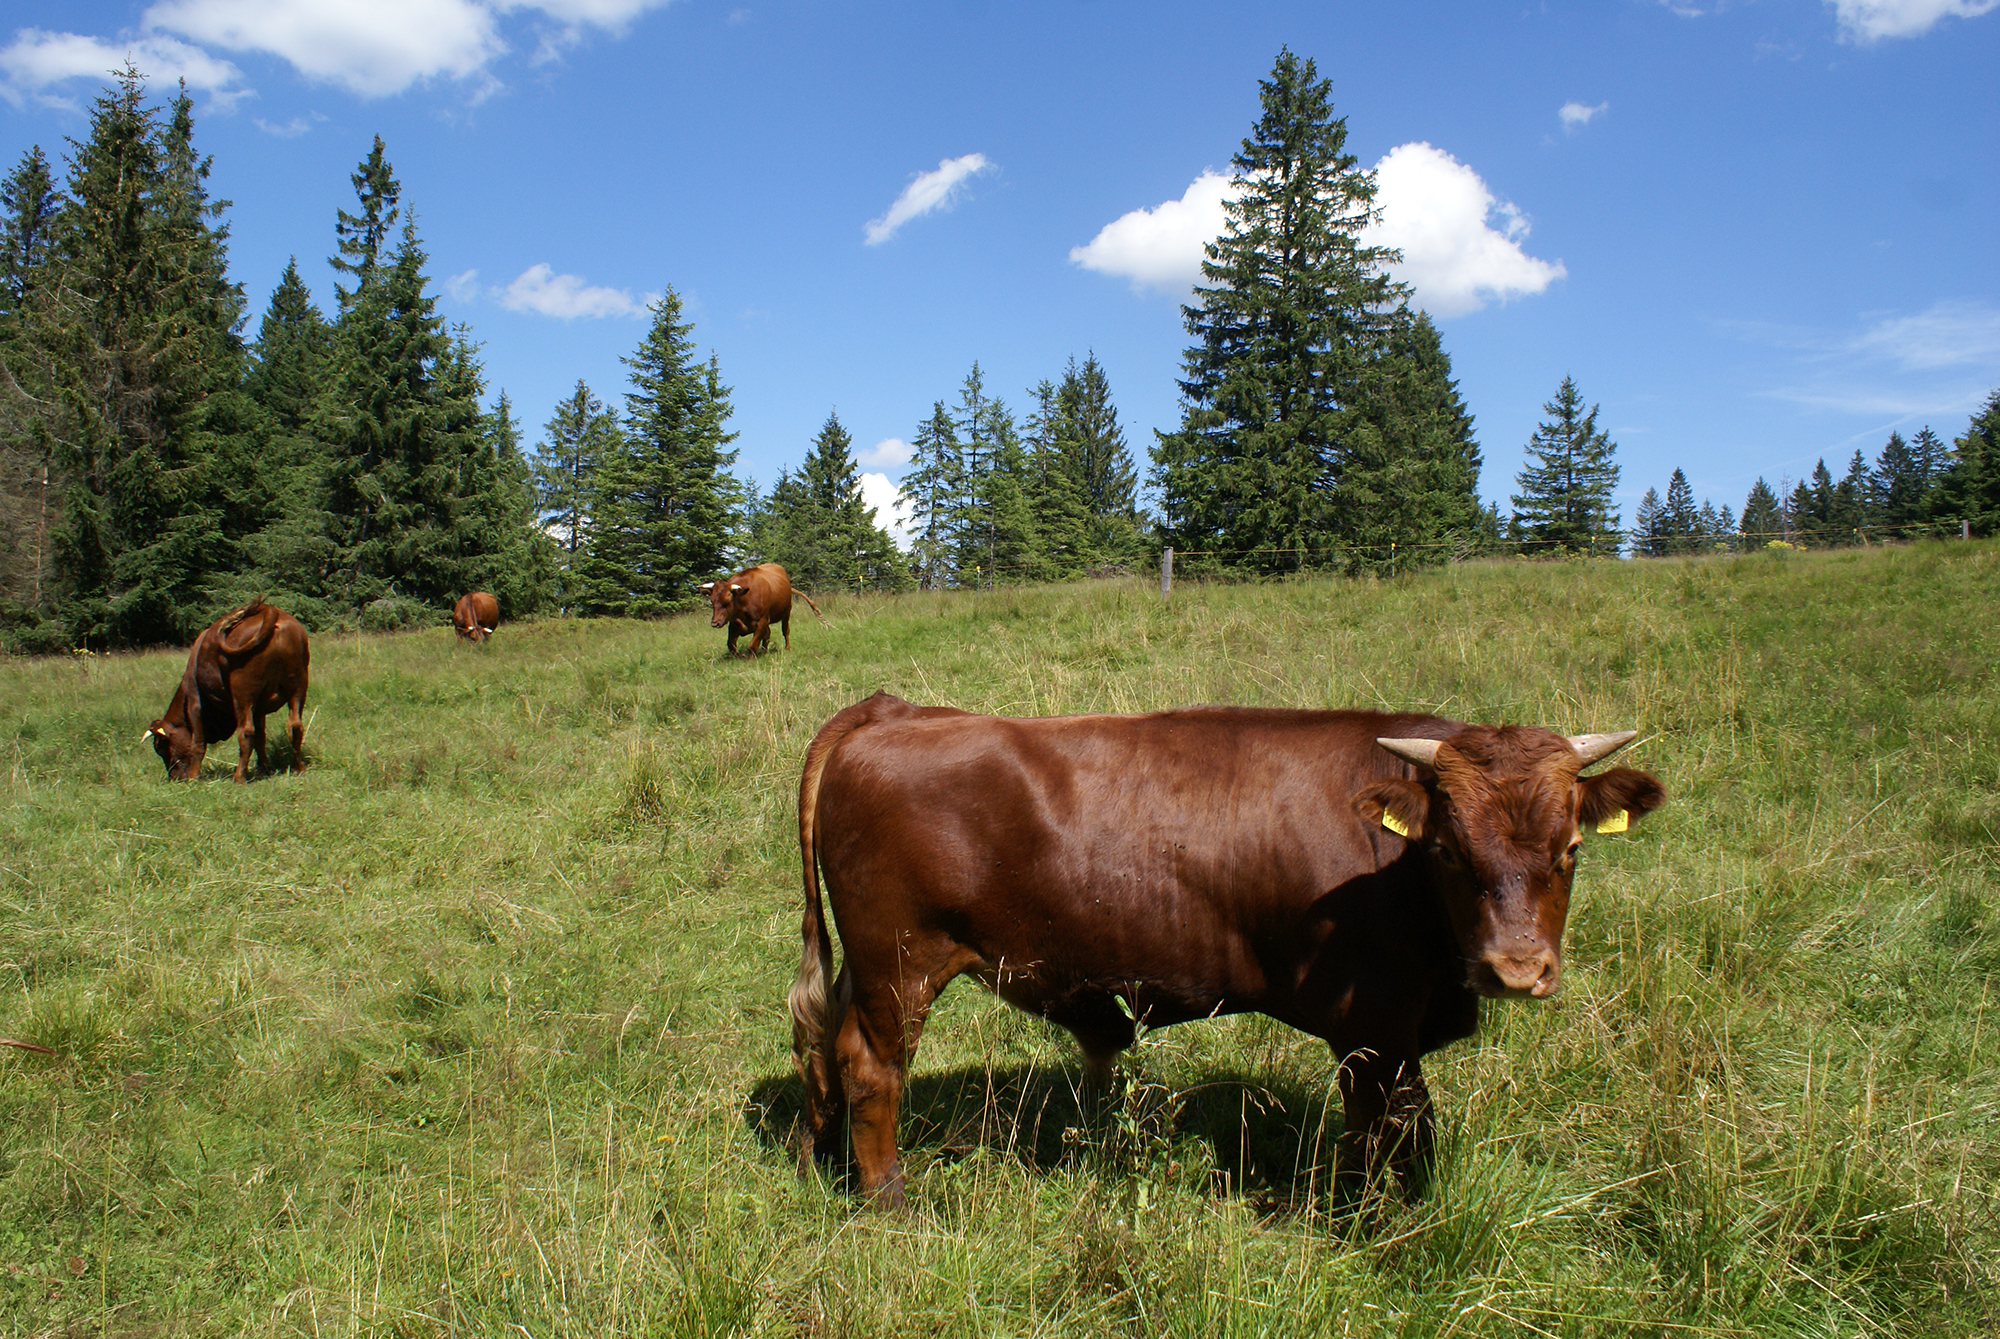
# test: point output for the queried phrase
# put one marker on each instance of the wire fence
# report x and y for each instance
(1387, 555)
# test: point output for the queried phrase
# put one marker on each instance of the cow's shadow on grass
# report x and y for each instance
(1268, 1140)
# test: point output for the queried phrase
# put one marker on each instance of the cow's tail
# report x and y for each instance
(818, 1001)
(815, 1007)
(245, 631)
(809, 601)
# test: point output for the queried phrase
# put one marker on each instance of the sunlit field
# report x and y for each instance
(477, 1027)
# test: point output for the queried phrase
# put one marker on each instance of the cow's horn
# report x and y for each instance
(1422, 752)
(1592, 747)
(148, 735)
(734, 586)
(706, 585)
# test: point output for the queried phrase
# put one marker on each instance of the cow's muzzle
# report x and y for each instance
(1532, 975)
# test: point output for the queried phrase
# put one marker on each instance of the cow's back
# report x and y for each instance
(1207, 852)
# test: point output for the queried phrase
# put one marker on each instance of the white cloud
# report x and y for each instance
(463, 287)
(888, 453)
(614, 15)
(541, 290)
(1867, 20)
(879, 492)
(291, 129)
(369, 47)
(1435, 210)
(1432, 207)
(37, 60)
(926, 192)
(1950, 334)
(1576, 115)
(1160, 247)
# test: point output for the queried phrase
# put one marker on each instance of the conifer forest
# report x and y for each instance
(161, 462)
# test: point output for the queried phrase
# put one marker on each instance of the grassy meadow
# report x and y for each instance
(477, 1027)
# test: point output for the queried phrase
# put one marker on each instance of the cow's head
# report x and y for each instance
(178, 748)
(724, 598)
(1499, 813)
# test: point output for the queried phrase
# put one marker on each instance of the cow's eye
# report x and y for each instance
(1447, 856)
(1569, 856)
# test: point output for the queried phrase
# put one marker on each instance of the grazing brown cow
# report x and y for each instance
(242, 667)
(751, 601)
(476, 615)
(1365, 878)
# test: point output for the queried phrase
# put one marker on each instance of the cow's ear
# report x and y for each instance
(1609, 801)
(1398, 805)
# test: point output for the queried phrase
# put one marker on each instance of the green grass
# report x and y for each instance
(478, 1026)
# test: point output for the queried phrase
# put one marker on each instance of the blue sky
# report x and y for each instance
(1757, 232)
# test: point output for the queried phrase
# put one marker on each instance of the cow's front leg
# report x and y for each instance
(1388, 1111)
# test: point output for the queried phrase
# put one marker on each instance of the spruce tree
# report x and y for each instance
(363, 238)
(514, 559)
(1848, 514)
(1969, 490)
(1093, 446)
(1566, 488)
(1680, 520)
(30, 488)
(850, 546)
(290, 355)
(1292, 309)
(931, 493)
(1054, 457)
(1409, 488)
(30, 205)
(668, 509)
(405, 418)
(1649, 529)
(1763, 518)
(579, 437)
(137, 338)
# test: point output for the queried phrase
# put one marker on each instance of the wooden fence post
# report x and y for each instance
(1166, 572)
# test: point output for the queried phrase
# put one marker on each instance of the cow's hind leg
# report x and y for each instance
(295, 726)
(249, 736)
(786, 624)
(876, 1042)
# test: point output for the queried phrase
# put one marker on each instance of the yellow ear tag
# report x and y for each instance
(1618, 822)
(1394, 824)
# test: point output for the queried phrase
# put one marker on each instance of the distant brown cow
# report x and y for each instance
(1365, 878)
(751, 601)
(476, 615)
(242, 667)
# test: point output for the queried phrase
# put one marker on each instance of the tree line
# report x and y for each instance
(1914, 488)
(158, 466)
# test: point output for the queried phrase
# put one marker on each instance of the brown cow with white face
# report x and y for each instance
(751, 601)
(1366, 878)
(476, 615)
(241, 668)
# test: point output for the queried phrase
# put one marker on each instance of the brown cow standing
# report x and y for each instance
(242, 667)
(476, 615)
(1363, 877)
(751, 601)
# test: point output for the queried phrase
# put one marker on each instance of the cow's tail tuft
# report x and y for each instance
(809, 601)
